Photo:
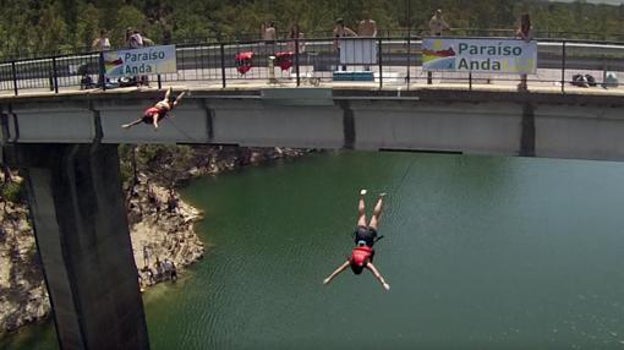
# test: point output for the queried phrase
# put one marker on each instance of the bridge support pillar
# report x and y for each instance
(81, 229)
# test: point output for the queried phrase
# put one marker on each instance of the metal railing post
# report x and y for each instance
(380, 55)
(223, 65)
(297, 61)
(54, 75)
(14, 72)
(469, 81)
(563, 63)
(409, 46)
(102, 71)
(409, 43)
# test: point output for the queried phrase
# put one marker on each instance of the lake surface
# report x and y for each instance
(481, 253)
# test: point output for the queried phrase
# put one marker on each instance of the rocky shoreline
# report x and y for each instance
(161, 231)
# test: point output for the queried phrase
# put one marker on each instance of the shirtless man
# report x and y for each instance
(270, 34)
(367, 27)
(437, 24)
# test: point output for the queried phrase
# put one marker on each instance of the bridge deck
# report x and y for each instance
(546, 81)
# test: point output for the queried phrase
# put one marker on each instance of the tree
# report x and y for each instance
(41, 27)
(52, 34)
(127, 16)
(165, 164)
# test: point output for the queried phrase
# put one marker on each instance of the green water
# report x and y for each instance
(481, 253)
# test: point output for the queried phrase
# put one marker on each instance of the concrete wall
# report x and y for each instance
(190, 124)
(497, 123)
(265, 124)
(583, 132)
(493, 128)
(45, 122)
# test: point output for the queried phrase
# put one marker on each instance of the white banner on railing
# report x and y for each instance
(358, 51)
(144, 61)
(479, 55)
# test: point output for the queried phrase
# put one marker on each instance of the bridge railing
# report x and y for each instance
(312, 62)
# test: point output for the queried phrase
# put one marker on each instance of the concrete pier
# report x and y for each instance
(81, 231)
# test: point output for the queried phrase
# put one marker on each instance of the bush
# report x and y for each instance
(13, 192)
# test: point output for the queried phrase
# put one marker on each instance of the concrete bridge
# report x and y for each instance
(67, 144)
(490, 120)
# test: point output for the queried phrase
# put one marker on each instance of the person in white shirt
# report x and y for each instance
(437, 24)
(101, 43)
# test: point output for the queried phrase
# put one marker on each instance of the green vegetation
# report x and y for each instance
(169, 163)
(12, 191)
(44, 27)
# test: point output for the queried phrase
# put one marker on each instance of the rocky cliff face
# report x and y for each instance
(161, 229)
(23, 295)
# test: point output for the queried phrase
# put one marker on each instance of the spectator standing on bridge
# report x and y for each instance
(437, 24)
(295, 35)
(134, 40)
(144, 79)
(525, 33)
(341, 31)
(159, 111)
(146, 41)
(365, 237)
(269, 35)
(367, 28)
(101, 43)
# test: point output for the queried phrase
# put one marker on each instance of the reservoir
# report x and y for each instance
(480, 253)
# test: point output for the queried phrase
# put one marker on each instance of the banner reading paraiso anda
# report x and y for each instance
(143, 61)
(479, 55)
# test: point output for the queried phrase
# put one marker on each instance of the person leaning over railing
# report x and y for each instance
(524, 32)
